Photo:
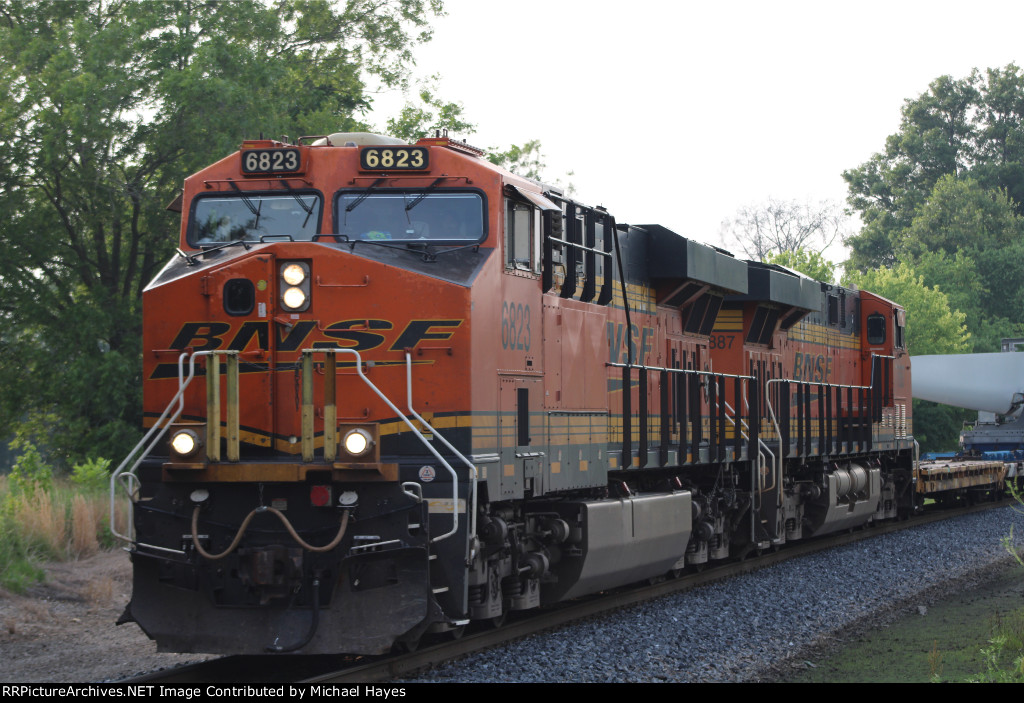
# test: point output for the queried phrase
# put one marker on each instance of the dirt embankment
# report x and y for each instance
(62, 630)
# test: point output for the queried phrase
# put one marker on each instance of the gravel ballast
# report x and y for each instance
(737, 630)
(744, 628)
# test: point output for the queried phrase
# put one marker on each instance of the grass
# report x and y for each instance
(59, 522)
(1004, 657)
(974, 635)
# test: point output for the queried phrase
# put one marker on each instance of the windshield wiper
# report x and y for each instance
(255, 210)
(191, 258)
(419, 198)
(300, 201)
(363, 196)
(430, 255)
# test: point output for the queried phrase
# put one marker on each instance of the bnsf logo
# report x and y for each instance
(816, 369)
(361, 335)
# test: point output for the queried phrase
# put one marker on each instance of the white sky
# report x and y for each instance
(680, 113)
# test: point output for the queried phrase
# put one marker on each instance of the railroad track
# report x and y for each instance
(348, 670)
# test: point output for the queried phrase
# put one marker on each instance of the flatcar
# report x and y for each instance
(393, 389)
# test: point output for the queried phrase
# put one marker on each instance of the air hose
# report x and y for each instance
(314, 623)
(245, 524)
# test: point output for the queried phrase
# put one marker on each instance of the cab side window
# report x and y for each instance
(900, 320)
(520, 236)
(876, 329)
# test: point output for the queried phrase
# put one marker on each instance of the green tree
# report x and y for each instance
(430, 114)
(970, 240)
(109, 105)
(986, 288)
(945, 197)
(960, 214)
(959, 278)
(526, 160)
(959, 128)
(806, 262)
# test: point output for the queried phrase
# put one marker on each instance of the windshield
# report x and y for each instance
(227, 218)
(411, 216)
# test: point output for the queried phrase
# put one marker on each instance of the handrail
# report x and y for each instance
(129, 480)
(456, 452)
(757, 477)
(416, 432)
(775, 421)
(742, 428)
(698, 372)
(760, 455)
(127, 477)
(761, 445)
(619, 364)
(873, 357)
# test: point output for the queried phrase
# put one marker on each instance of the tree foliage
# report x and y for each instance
(779, 226)
(109, 105)
(526, 160)
(960, 214)
(946, 197)
(971, 127)
(430, 114)
(806, 262)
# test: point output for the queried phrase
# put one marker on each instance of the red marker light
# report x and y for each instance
(320, 496)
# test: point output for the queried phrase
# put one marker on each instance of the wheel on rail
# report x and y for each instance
(498, 621)
(749, 552)
(408, 646)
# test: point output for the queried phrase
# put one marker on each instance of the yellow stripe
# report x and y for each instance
(820, 334)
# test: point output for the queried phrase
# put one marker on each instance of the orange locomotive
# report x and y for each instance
(393, 389)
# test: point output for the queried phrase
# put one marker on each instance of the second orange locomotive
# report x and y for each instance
(395, 389)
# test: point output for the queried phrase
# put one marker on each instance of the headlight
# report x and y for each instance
(294, 298)
(293, 282)
(185, 442)
(293, 274)
(357, 442)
